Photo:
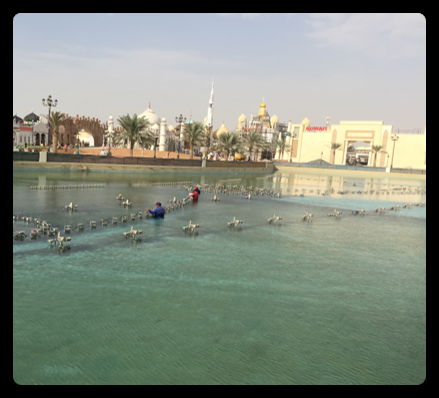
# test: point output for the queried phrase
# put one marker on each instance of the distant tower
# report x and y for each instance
(162, 136)
(209, 122)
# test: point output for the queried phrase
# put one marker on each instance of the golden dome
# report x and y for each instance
(274, 119)
(222, 129)
(262, 111)
(242, 120)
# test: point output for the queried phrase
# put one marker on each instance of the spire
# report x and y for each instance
(210, 109)
(211, 95)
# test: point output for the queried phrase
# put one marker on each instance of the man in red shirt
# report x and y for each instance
(194, 196)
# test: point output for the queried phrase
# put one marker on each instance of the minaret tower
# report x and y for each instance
(209, 123)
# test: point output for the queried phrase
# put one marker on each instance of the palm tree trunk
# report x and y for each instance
(191, 148)
(55, 141)
(131, 148)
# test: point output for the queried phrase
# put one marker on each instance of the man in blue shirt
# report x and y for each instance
(158, 212)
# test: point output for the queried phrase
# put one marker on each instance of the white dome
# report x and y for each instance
(85, 136)
(151, 116)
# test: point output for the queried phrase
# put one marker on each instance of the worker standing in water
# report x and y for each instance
(194, 195)
(158, 211)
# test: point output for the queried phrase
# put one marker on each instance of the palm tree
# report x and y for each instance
(133, 129)
(228, 142)
(194, 133)
(334, 147)
(252, 140)
(281, 144)
(146, 139)
(55, 121)
(375, 149)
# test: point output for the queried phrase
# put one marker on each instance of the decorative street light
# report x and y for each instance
(394, 138)
(50, 103)
(181, 120)
(155, 146)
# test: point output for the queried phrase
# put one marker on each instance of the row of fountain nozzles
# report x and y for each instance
(125, 202)
(81, 186)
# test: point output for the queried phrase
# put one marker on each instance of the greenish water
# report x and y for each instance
(329, 302)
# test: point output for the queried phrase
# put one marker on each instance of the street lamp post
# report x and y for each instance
(50, 103)
(180, 119)
(394, 138)
(209, 136)
(155, 146)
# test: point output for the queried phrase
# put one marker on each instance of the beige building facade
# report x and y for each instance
(306, 143)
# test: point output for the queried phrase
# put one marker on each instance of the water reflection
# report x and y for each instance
(369, 188)
(387, 188)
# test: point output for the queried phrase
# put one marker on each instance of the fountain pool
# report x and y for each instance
(333, 301)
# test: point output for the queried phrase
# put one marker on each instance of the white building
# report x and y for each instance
(32, 130)
(158, 127)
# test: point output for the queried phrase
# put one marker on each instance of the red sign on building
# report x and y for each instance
(317, 128)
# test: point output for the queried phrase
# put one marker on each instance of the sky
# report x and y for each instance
(343, 66)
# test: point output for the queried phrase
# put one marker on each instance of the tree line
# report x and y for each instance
(137, 130)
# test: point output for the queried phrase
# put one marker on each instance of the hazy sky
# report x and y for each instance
(346, 66)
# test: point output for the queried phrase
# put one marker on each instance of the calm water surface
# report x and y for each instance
(335, 301)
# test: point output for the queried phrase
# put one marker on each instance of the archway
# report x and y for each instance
(267, 154)
(358, 152)
(43, 139)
